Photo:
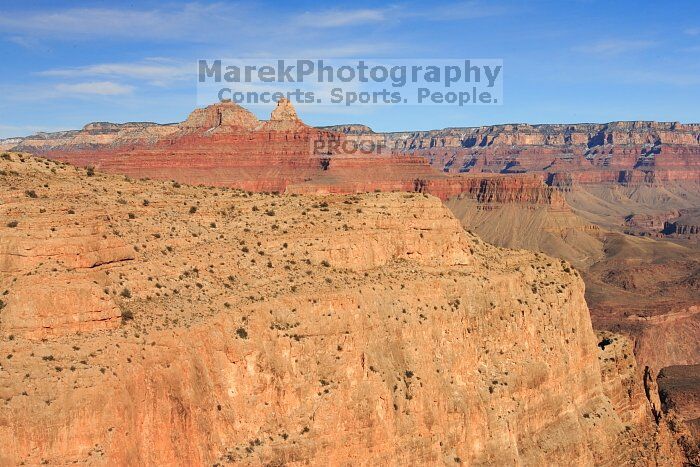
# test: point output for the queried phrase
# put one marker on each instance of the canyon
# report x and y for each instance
(637, 177)
(151, 322)
(614, 205)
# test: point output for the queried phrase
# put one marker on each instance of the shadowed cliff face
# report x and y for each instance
(256, 329)
(629, 153)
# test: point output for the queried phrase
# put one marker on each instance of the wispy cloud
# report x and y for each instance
(614, 46)
(29, 43)
(692, 31)
(211, 22)
(156, 71)
(99, 88)
(338, 18)
(645, 77)
(190, 21)
(335, 18)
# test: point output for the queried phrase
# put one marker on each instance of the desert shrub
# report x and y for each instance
(270, 212)
(146, 202)
(126, 293)
(31, 194)
(176, 185)
(325, 263)
(604, 343)
(12, 224)
(2, 304)
(193, 209)
(90, 171)
(242, 333)
(132, 215)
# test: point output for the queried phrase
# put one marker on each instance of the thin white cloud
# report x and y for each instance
(614, 46)
(339, 18)
(692, 31)
(334, 18)
(154, 71)
(29, 43)
(192, 20)
(99, 88)
(360, 49)
(645, 77)
(217, 22)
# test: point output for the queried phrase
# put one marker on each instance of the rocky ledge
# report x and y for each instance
(262, 329)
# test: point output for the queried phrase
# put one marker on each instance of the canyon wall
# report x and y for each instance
(256, 328)
(226, 145)
(618, 152)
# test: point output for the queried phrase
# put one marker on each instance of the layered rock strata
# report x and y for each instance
(295, 329)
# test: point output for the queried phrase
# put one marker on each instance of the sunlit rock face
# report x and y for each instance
(201, 325)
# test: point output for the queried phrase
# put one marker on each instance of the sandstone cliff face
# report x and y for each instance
(96, 136)
(225, 145)
(687, 224)
(221, 116)
(284, 112)
(52, 256)
(679, 388)
(617, 152)
(634, 395)
(626, 153)
(9, 143)
(250, 335)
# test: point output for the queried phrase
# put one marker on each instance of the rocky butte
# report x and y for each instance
(152, 322)
(226, 145)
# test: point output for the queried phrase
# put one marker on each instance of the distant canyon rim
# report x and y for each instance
(346, 307)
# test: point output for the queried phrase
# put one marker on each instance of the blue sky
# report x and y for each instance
(69, 63)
